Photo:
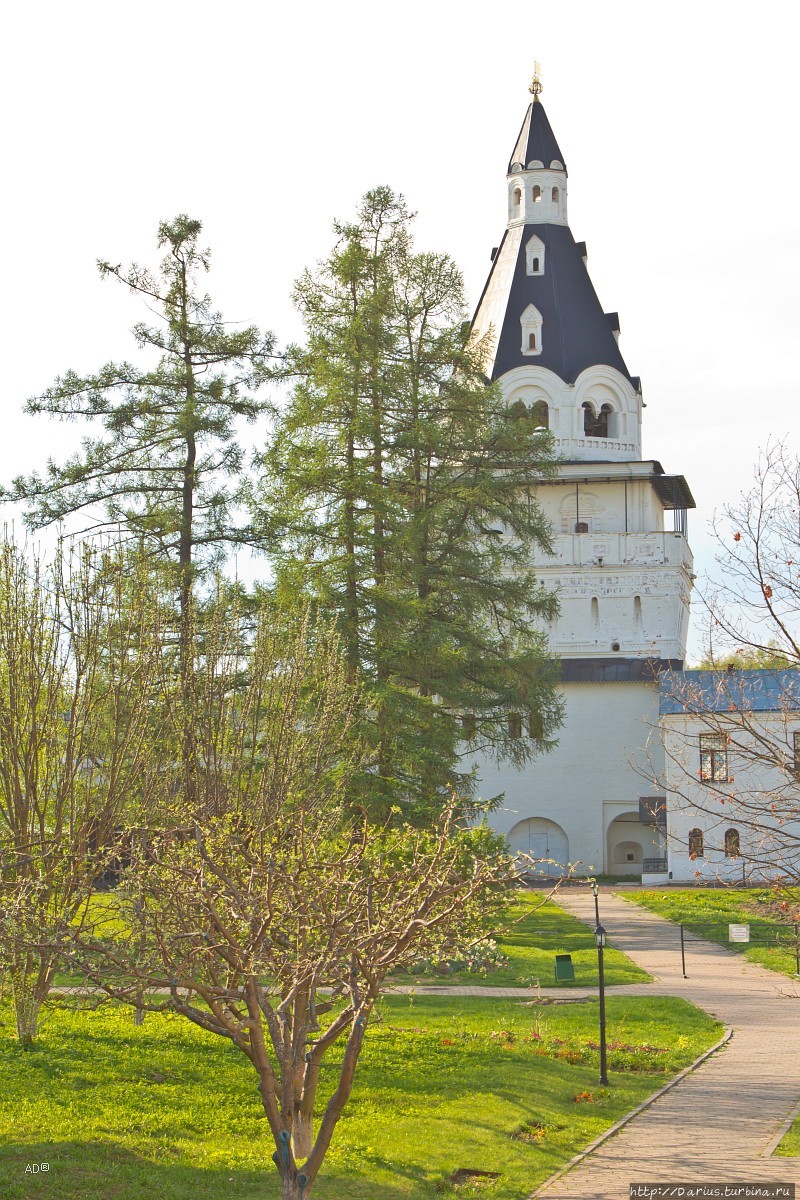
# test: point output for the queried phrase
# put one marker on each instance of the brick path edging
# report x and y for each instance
(623, 1121)
(784, 1129)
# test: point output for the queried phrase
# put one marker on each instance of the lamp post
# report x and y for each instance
(596, 893)
(600, 939)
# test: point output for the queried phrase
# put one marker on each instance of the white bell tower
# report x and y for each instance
(621, 564)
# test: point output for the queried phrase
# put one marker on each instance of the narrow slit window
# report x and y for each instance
(517, 197)
(536, 266)
(531, 341)
(555, 195)
(514, 725)
(796, 750)
(536, 194)
(469, 726)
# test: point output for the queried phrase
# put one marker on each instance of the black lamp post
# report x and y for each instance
(600, 939)
(596, 893)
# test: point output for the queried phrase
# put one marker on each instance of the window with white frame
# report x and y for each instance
(534, 256)
(531, 328)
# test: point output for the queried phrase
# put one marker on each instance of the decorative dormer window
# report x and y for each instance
(555, 165)
(534, 256)
(531, 325)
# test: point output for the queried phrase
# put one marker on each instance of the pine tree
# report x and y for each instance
(403, 495)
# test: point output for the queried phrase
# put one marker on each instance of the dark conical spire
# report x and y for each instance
(536, 141)
(539, 272)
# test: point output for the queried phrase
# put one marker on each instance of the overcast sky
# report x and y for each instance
(677, 122)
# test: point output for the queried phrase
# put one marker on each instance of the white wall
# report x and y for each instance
(590, 778)
(754, 783)
(596, 385)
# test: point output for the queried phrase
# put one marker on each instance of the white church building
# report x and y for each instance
(621, 566)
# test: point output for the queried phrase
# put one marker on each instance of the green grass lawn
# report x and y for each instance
(708, 911)
(166, 1110)
(534, 934)
(789, 1145)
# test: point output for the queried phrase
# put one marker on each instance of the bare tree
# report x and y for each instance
(266, 911)
(731, 732)
(732, 763)
(753, 606)
(74, 658)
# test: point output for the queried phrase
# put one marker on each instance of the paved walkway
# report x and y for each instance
(716, 1124)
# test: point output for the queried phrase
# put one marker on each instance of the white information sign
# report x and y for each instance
(738, 933)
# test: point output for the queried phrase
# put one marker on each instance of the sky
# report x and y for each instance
(267, 122)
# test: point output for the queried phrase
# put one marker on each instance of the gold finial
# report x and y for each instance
(536, 82)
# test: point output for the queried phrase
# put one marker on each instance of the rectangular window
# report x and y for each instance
(714, 757)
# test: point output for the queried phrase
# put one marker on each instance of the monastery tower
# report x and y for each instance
(621, 566)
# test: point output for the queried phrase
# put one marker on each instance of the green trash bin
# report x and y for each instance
(565, 972)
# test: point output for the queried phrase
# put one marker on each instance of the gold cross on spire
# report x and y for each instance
(536, 83)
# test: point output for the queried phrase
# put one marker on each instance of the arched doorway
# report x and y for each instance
(544, 841)
(630, 842)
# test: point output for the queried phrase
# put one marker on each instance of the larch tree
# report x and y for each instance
(166, 468)
(400, 492)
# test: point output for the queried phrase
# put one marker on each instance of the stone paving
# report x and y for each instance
(716, 1125)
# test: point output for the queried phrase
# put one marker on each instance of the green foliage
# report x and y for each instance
(165, 1109)
(401, 491)
(747, 658)
(76, 674)
(481, 958)
(530, 935)
(166, 468)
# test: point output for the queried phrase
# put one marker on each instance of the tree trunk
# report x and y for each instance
(27, 1003)
(302, 1136)
(291, 1190)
